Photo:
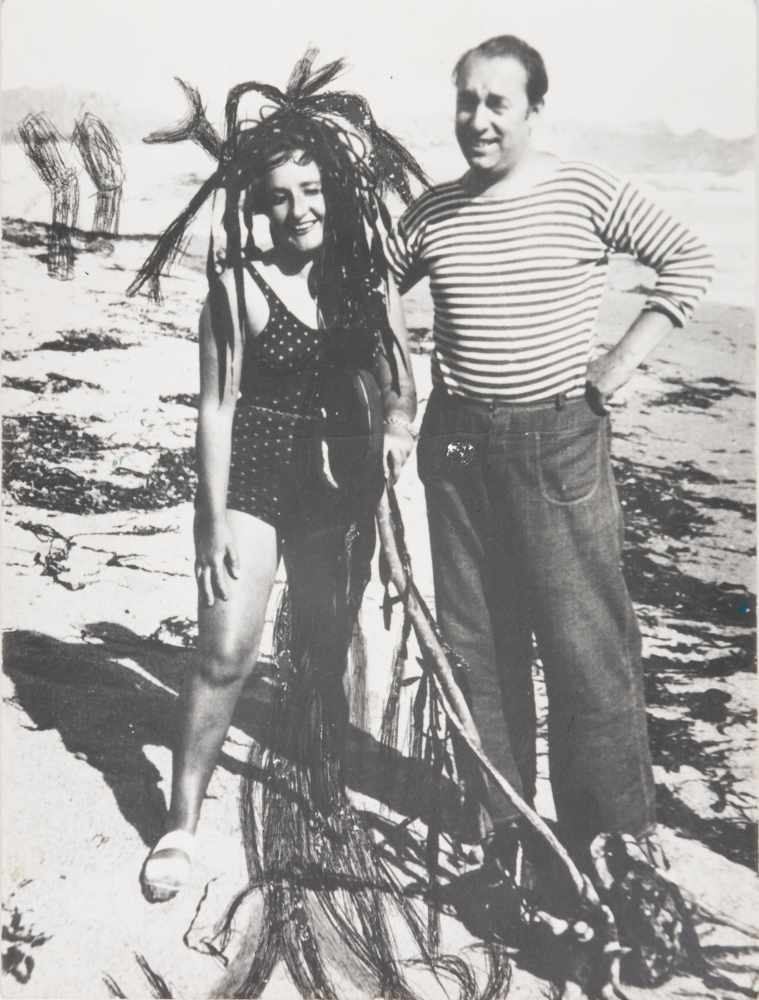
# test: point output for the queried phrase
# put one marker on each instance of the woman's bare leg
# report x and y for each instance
(229, 635)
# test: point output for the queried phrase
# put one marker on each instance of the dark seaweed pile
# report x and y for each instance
(52, 382)
(701, 395)
(74, 341)
(661, 503)
(37, 448)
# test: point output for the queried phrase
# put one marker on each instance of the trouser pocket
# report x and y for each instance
(569, 462)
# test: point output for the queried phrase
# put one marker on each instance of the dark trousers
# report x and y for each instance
(526, 537)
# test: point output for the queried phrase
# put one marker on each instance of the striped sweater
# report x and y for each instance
(516, 282)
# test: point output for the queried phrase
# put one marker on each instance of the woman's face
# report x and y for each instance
(294, 200)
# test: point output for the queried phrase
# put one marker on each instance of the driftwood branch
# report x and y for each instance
(454, 703)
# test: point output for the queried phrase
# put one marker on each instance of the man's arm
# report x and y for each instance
(637, 226)
(402, 246)
(610, 371)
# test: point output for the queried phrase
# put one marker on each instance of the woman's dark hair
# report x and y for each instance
(510, 45)
(358, 161)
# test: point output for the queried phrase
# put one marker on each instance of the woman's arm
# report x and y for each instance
(399, 394)
(214, 545)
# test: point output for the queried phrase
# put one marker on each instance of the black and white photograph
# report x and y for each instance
(379, 465)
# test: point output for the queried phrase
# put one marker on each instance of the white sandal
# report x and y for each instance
(163, 877)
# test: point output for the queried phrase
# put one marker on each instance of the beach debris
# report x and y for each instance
(75, 341)
(171, 479)
(72, 566)
(101, 156)
(158, 985)
(18, 940)
(53, 562)
(52, 383)
(176, 631)
(69, 564)
(43, 145)
(701, 395)
(182, 399)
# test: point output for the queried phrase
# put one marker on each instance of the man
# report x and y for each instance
(525, 524)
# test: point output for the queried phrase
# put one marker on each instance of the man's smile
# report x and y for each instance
(481, 145)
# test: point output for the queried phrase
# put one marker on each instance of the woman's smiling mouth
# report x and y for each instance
(303, 228)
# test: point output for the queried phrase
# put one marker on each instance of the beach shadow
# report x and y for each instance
(107, 697)
(105, 713)
(32, 235)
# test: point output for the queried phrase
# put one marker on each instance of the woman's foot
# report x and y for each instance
(167, 868)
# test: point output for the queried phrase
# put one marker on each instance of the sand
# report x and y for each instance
(99, 607)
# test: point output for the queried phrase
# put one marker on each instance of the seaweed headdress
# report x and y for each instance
(359, 163)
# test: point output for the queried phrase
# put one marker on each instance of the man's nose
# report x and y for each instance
(479, 119)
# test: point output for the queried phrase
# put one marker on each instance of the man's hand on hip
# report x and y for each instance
(611, 370)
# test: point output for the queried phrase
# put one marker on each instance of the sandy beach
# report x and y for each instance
(99, 618)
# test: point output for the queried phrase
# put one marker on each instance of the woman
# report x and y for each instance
(306, 403)
(256, 476)
(292, 315)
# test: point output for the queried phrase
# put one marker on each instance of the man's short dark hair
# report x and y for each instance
(510, 45)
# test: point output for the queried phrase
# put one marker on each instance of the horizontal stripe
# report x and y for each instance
(517, 282)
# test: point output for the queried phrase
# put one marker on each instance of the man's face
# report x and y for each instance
(493, 113)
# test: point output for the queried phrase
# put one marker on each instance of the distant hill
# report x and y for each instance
(652, 147)
(64, 106)
(648, 147)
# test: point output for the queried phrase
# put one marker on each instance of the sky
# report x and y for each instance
(687, 63)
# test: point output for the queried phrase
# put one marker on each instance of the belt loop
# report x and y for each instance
(560, 400)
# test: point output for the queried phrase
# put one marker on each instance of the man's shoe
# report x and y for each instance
(654, 923)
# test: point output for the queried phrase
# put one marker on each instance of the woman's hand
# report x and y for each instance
(215, 557)
(397, 445)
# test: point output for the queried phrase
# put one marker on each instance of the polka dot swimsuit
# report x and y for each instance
(273, 427)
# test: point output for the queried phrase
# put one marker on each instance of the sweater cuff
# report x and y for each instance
(666, 309)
